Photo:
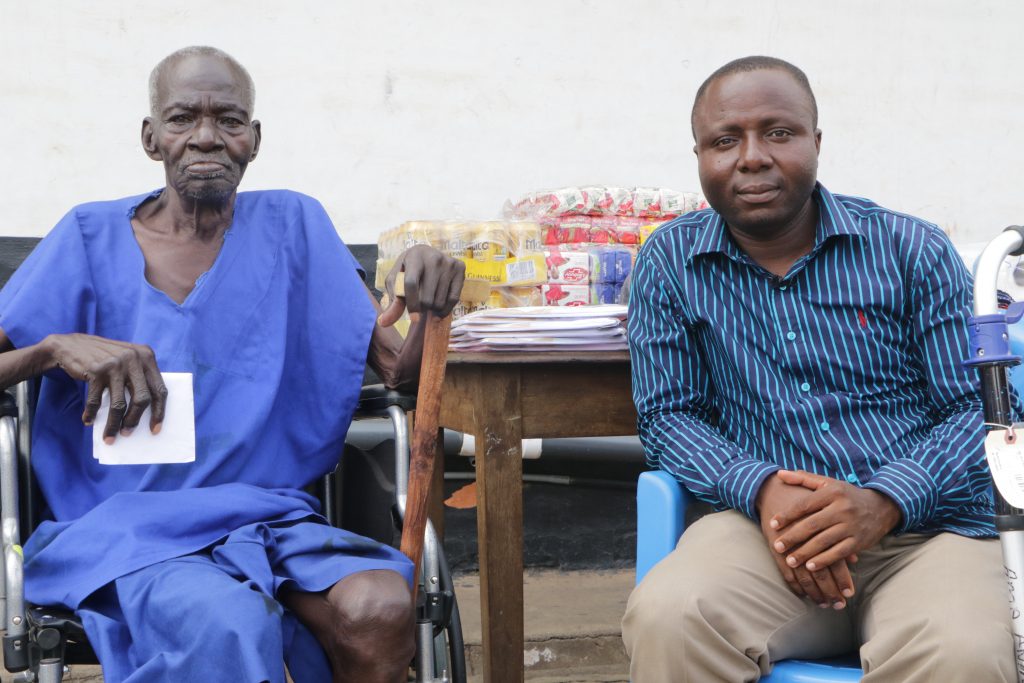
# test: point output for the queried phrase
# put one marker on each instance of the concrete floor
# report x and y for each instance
(572, 629)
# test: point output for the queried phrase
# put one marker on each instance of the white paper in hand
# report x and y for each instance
(1006, 461)
(176, 441)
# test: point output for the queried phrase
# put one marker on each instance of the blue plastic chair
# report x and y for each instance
(661, 509)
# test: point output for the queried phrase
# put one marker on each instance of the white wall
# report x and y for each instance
(389, 110)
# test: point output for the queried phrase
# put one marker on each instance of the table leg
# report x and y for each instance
(499, 470)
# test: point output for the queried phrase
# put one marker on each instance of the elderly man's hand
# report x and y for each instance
(830, 585)
(836, 520)
(121, 368)
(432, 282)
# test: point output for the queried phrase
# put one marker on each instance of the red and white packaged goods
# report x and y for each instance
(574, 246)
(606, 224)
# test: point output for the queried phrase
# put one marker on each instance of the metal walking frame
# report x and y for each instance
(440, 650)
(991, 356)
(440, 654)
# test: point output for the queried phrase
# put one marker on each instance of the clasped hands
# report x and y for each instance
(816, 525)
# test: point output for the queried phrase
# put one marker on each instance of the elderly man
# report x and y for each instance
(797, 363)
(219, 569)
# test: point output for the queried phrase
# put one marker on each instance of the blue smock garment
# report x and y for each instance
(275, 334)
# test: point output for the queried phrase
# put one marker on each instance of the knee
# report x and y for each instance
(373, 611)
(658, 613)
(946, 650)
(984, 652)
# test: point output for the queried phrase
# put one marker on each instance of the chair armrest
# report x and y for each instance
(15, 646)
(375, 399)
(661, 503)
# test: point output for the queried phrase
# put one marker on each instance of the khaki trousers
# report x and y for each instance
(927, 608)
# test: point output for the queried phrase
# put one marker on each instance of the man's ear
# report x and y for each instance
(258, 134)
(817, 139)
(148, 141)
(695, 151)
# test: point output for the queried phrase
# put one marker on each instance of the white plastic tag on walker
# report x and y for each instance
(1004, 449)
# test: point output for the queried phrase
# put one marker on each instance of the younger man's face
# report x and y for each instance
(757, 149)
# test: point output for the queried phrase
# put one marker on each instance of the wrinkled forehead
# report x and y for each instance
(750, 95)
(191, 78)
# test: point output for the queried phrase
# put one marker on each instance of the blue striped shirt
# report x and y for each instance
(849, 366)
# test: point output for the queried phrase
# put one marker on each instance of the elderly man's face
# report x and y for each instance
(757, 149)
(202, 129)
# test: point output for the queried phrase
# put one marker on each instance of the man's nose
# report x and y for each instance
(205, 136)
(754, 154)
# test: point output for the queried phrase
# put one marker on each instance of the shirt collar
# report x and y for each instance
(833, 220)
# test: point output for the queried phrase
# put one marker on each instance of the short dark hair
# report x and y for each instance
(756, 63)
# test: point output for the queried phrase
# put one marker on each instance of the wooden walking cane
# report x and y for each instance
(424, 437)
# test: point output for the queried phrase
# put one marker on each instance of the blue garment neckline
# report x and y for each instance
(204, 277)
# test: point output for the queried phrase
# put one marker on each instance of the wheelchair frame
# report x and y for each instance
(38, 641)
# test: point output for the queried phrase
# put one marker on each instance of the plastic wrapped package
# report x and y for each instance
(489, 241)
(561, 202)
(525, 237)
(603, 229)
(412, 233)
(573, 229)
(647, 202)
(566, 295)
(496, 253)
(603, 201)
(625, 206)
(611, 265)
(567, 267)
(672, 203)
(648, 228)
(549, 231)
(605, 293)
(627, 231)
(455, 239)
(515, 297)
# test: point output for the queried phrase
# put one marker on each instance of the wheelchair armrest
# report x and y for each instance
(15, 646)
(375, 399)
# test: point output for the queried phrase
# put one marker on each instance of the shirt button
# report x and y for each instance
(791, 336)
(784, 287)
(824, 426)
(805, 387)
(852, 478)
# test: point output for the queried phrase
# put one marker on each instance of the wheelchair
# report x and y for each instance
(40, 642)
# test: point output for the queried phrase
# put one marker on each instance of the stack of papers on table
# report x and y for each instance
(542, 328)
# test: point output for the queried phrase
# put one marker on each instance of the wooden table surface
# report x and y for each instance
(501, 399)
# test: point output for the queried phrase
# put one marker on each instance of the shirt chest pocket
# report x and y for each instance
(858, 337)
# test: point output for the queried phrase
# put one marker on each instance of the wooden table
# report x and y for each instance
(501, 399)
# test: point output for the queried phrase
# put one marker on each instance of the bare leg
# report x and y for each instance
(365, 623)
